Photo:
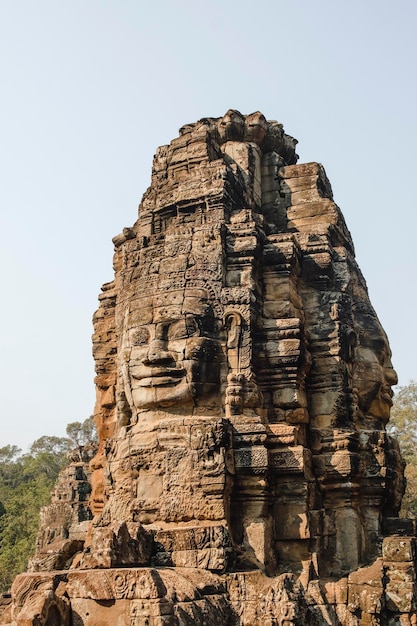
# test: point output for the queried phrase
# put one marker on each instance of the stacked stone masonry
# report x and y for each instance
(244, 474)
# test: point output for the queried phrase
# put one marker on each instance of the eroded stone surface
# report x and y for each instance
(244, 472)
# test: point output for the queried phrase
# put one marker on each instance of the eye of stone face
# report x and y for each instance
(376, 342)
(183, 328)
(141, 336)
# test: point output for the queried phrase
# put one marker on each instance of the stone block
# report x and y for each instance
(401, 597)
(299, 171)
(213, 559)
(366, 598)
(250, 459)
(336, 592)
(399, 549)
(184, 558)
(291, 521)
(289, 460)
(292, 554)
(289, 398)
(400, 572)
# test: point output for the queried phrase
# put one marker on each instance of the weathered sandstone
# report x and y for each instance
(244, 473)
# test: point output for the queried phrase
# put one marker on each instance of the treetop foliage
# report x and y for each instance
(403, 422)
(81, 433)
(403, 426)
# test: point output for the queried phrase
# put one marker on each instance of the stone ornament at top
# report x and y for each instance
(244, 474)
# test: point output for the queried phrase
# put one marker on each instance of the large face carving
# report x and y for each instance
(170, 350)
(373, 374)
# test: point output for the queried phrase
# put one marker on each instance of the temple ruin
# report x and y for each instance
(244, 474)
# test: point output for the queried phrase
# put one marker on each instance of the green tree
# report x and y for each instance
(25, 485)
(8, 454)
(81, 433)
(52, 445)
(18, 527)
(26, 481)
(403, 425)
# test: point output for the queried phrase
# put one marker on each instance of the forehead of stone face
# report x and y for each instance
(167, 305)
(168, 297)
(140, 310)
(372, 339)
(174, 304)
(196, 301)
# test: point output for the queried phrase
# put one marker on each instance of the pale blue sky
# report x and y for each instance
(90, 88)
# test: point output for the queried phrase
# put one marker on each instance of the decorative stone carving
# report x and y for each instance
(244, 474)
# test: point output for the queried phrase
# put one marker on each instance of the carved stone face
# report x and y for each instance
(373, 372)
(173, 359)
(256, 127)
(231, 126)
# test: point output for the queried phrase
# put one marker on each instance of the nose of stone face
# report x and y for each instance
(391, 376)
(158, 354)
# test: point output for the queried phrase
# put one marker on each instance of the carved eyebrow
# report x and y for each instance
(187, 326)
(141, 336)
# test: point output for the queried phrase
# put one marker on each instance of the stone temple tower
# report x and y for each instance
(244, 474)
